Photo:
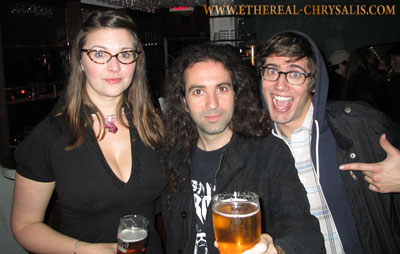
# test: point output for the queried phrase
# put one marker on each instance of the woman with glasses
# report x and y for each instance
(97, 148)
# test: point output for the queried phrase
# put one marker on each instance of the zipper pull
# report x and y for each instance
(353, 175)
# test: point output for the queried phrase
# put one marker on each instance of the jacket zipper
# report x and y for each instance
(218, 169)
(350, 171)
(353, 175)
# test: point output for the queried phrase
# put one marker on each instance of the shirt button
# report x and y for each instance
(353, 155)
(180, 251)
(347, 110)
(184, 215)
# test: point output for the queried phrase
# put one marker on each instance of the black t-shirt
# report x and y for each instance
(92, 198)
(204, 166)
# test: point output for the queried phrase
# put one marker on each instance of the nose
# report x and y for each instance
(281, 83)
(113, 65)
(212, 101)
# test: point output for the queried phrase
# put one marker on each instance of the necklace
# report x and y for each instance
(110, 125)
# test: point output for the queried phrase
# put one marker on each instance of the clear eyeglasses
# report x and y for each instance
(296, 78)
(102, 57)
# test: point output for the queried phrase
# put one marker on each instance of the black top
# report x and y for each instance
(92, 198)
(204, 166)
(205, 163)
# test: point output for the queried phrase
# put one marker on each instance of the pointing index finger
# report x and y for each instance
(358, 166)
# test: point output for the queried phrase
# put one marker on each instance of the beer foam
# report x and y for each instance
(241, 202)
(132, 235)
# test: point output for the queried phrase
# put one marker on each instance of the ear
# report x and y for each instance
(82, 69)
(184, 102)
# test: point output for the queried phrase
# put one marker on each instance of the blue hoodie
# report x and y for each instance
(324, 144)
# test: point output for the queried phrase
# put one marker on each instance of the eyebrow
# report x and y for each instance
(106, 49)
(193, 87)
(290, 66)
(224, 84)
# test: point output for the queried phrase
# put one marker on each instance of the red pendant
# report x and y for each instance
(109, 125)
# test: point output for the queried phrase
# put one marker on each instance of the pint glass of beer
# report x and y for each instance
(132, 234)
(237, 221)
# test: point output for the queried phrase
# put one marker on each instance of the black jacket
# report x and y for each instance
(357, 128)
(263, 166)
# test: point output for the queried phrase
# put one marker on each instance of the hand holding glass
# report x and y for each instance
(237, 221)
(132, 234)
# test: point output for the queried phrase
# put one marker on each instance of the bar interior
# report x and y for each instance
(36, 37)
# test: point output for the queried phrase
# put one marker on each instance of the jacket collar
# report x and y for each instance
(341, 141)
(231, 163)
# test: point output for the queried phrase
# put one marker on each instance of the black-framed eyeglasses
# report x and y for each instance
(102, 57)
(296, 78)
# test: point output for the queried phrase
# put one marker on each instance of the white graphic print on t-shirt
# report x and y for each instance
(202, 199)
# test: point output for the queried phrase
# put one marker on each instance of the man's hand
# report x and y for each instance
(384, 176)
(264, 246)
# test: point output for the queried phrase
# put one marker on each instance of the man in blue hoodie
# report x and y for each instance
(321, 137)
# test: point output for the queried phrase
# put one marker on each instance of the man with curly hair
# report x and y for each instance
(217, 140)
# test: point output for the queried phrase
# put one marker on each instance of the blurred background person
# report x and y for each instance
(364, 80)
(337, 73)
(393, 78)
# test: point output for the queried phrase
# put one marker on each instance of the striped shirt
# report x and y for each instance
(300, 146)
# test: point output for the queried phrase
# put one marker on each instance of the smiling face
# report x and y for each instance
(209, 99)
(110, 80)
(287, 104)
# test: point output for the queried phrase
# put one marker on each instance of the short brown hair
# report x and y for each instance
(290, 44)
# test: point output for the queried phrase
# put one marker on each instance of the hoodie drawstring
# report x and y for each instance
(317, 148)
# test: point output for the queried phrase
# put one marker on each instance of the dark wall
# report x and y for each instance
(34, 39)
(33, 23)
(194, 24)
(331, 32)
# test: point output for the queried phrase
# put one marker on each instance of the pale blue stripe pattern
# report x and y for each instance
(299, 143)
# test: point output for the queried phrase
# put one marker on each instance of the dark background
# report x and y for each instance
(36, 35)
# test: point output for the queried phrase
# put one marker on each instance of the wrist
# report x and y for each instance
(76, 245)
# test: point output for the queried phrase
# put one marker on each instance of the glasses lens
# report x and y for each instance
(127, 57)
(99, 56)
(270, 74)
(295, 78)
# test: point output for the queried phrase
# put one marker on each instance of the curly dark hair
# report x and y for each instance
(249, 119)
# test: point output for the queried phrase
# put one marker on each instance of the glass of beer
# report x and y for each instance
(237, 221)
(132, 234)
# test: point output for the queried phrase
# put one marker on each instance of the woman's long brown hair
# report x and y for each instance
(137, 97)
